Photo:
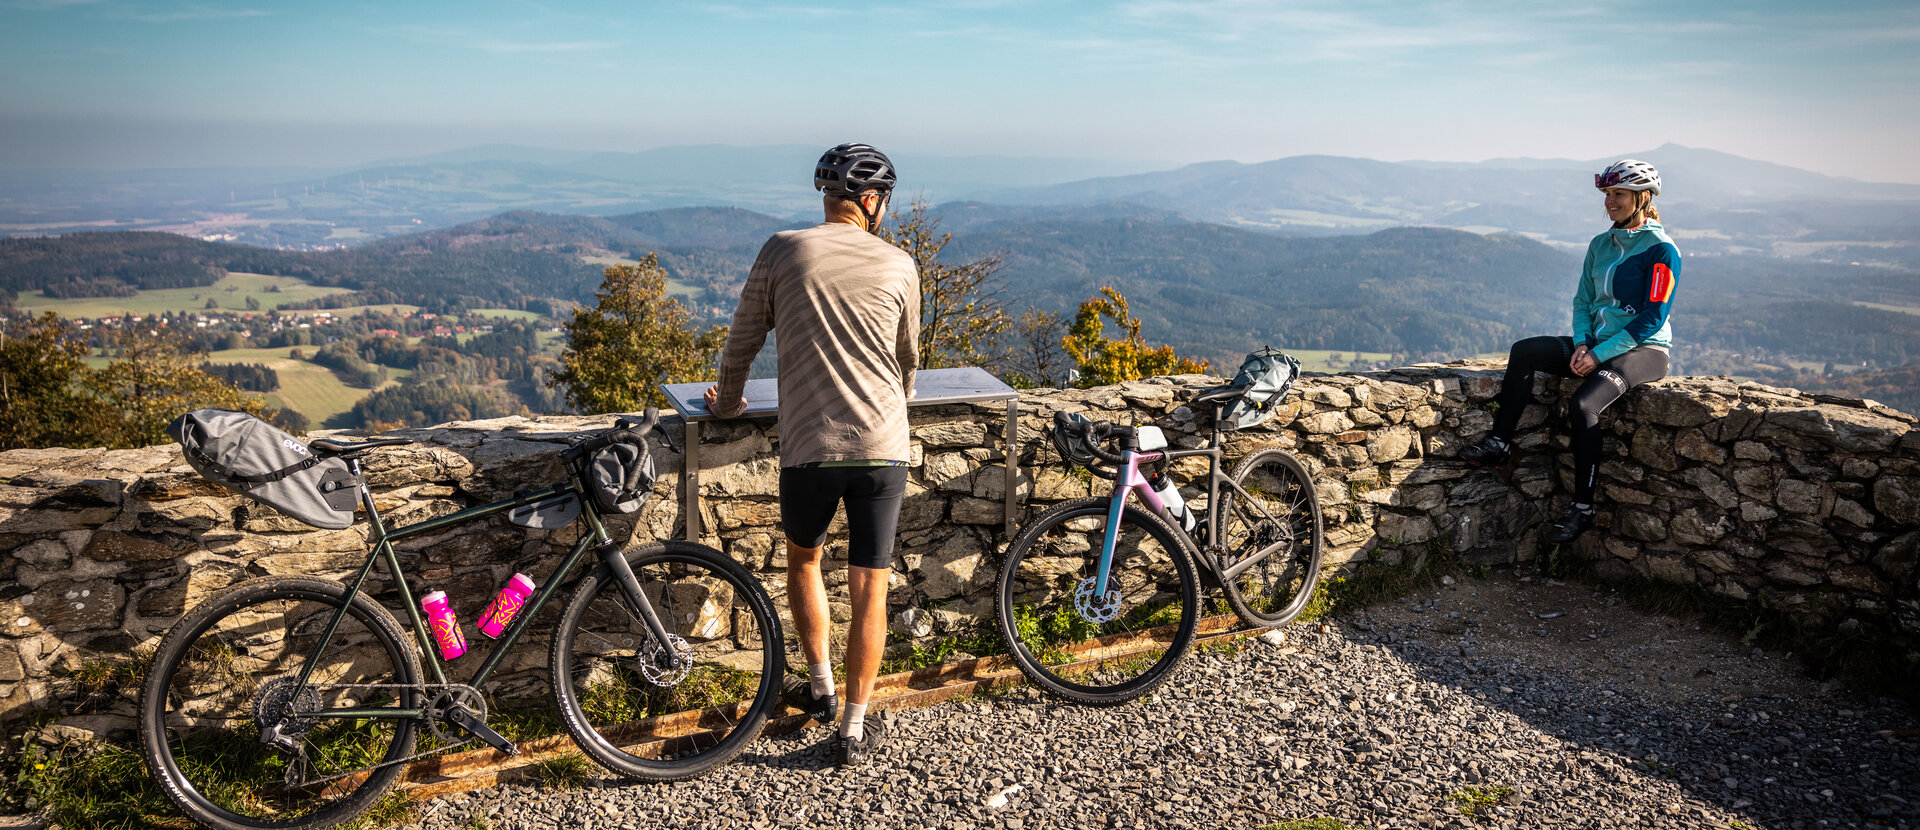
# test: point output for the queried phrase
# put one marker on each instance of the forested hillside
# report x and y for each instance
(503, 261)
(1209, 290)
(1217, 291)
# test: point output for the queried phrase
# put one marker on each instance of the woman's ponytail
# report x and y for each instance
(1647, 210)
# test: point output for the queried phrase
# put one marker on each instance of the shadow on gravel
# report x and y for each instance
(1633, 696)
(808, 749)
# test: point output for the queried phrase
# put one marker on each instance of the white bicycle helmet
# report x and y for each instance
(1632, 174)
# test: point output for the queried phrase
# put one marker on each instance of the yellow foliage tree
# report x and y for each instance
(49, 398)
(1102, 360)
(633, 339)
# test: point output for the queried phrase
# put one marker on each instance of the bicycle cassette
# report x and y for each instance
(276, 704)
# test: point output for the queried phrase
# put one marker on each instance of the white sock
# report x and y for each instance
(1584, 508)
(854, 725)
(822, 676)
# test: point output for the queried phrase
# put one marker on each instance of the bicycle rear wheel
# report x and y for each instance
(628, 706)
(1278, 519)
(225, 675)
(1081, 646)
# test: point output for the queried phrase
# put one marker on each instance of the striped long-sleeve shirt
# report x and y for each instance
(847, 307)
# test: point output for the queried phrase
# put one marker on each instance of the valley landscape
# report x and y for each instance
(1791, 277)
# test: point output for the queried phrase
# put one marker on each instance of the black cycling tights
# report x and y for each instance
(1554, 355)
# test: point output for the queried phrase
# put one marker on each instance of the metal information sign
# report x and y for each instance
(932, 387)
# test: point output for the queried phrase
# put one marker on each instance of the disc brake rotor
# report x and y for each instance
(663, 669)
(1098, 610)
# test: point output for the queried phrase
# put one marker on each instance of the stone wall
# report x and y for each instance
(1801, 502)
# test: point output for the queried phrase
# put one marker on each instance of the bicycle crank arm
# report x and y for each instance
(478, 728)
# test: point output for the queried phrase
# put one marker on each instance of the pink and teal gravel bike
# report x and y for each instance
(1099, 599)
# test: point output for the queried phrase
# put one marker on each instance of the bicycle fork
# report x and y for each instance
(1129, 480)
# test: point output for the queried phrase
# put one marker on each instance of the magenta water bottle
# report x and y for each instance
(446, 629)
(513, 596)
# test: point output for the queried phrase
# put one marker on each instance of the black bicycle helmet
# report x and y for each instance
(852, 170)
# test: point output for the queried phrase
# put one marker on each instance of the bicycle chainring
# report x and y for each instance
(446, 702)
(276, 703)
(1098, 610)
(667, 672)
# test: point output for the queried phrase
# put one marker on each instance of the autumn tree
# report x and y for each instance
(153, 379)
(962, 319)
(49, 397)
(1102, 360)
(633, 339)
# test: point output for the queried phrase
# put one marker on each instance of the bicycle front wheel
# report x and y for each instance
(1077, 642)
(233, 738)
(1276, 528)
(663, 712)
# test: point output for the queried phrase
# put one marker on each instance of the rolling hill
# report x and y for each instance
(1209, 289)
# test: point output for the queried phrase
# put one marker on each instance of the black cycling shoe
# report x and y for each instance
(1489, 452)
(1571, 525)
(798, 693)
(850, 752)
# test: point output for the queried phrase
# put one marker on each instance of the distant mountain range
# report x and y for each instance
(1211, 290)
(1716, 203)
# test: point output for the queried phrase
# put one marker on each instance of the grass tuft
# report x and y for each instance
(1472, 800)
(981, 641)
(564, 772)
(1321, 823)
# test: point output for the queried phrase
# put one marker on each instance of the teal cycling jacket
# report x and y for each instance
(1626, 291)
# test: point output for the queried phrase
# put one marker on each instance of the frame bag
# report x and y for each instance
(258, 460)
(1266, 375)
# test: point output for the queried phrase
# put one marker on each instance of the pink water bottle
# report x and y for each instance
(513, 596)
(446, 629)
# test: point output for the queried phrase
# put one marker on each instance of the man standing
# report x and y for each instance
(847, 309)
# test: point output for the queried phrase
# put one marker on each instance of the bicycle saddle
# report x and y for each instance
(1220, 394)
(329, 446)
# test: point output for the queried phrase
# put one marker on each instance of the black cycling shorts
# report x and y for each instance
(809, 495)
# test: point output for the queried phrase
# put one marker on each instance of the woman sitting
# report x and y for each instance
(1620, 334)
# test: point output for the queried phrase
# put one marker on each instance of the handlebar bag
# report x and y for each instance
(1267, 375)
(1073, 446)
(608, 471)
(258, 460)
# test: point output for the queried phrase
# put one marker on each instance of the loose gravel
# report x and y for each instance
(1489, 703)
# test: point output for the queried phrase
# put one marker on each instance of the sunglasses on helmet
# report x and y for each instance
(1608, 179)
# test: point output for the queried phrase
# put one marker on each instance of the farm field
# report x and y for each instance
(1320, 360)
(506, 314)
(306, 388)
(231, 292)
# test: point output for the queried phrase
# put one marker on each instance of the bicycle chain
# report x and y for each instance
(424, 689)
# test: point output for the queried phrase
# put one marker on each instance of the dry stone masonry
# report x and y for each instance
(1800, 502)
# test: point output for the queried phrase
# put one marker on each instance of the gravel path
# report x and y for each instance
(1400, 717)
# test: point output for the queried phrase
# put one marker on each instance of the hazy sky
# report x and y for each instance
(110, 83)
